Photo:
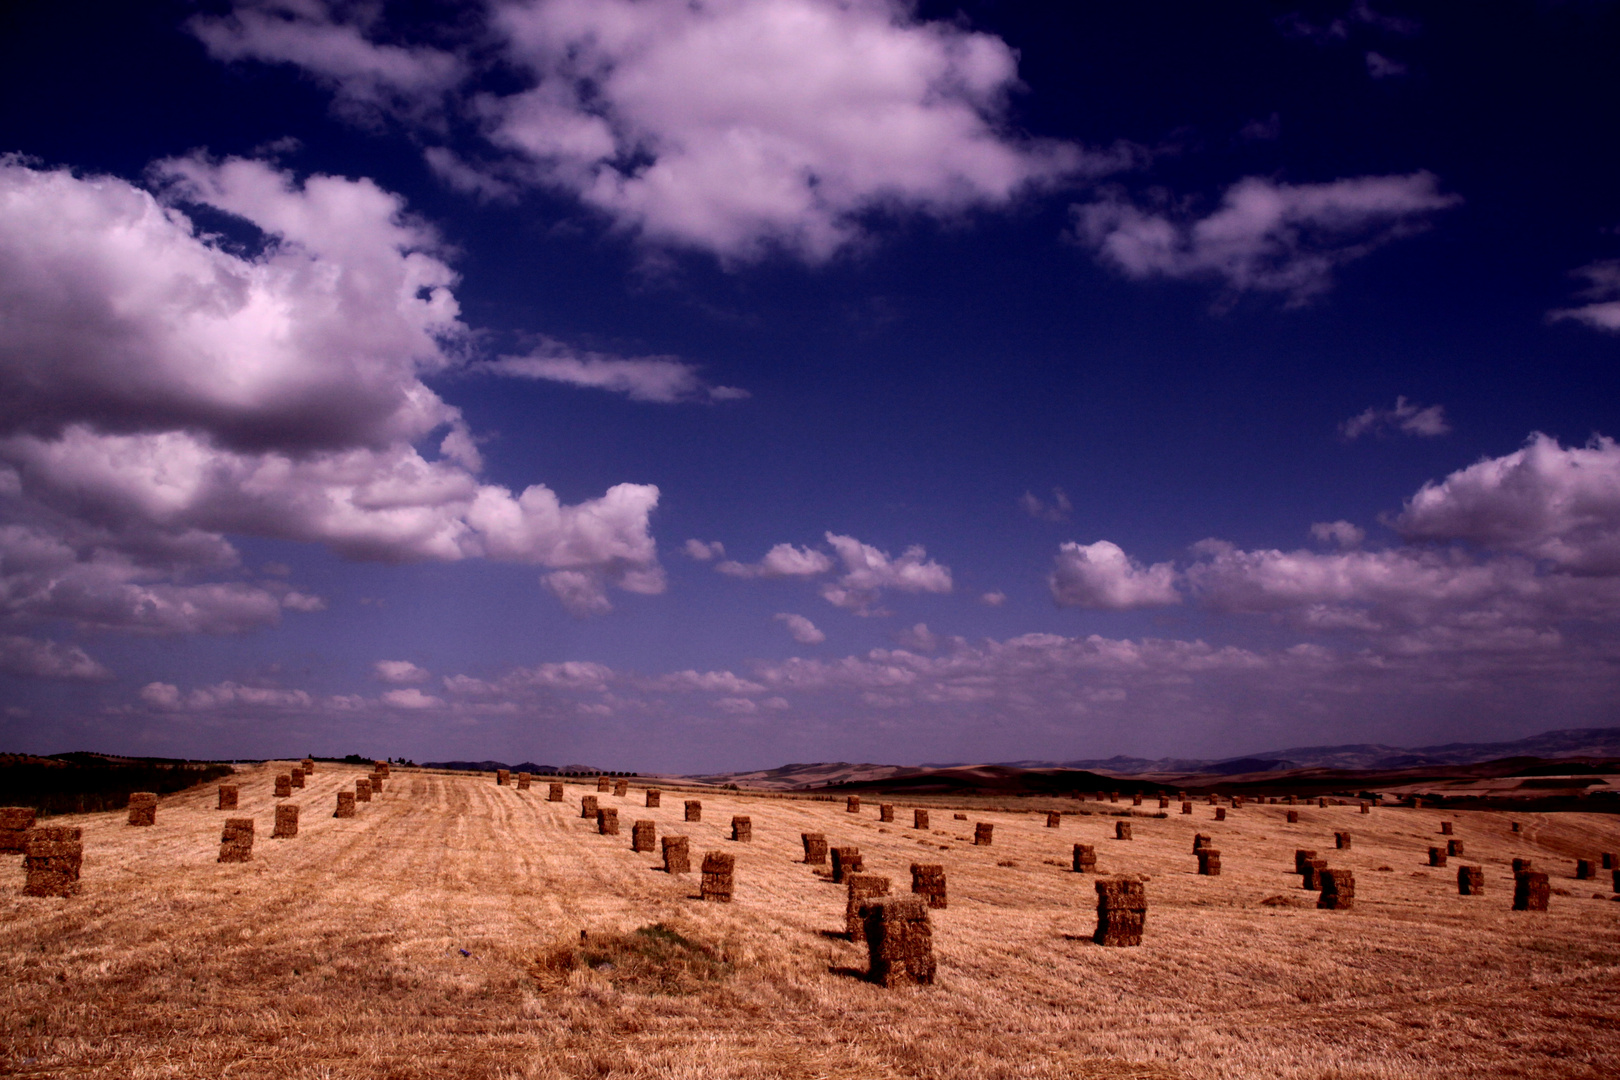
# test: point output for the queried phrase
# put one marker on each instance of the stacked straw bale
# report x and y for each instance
(1053, 819)
(959, 817)
(283, 786)
(1437, 856)
(1164, 802)
(1291, 800)
(1341, 840)
(1237, 802)
(928, 882)
(1122, 830)
(286, 822)
(15, 821)
(1470, 880)
(1121, 911)
(1301, 857)
(853, 804)
(52, 856)
(655, 798)
(143, 808)
(297, 777)
(1584, 870)
(345, 804)
(1454, 847)
(587, 806)
(644, 835)
(554, 793)
(694, 810)
(228, 795)
(1366, 808)
(919, 819)
(1220, 813)
(621, 788)
(1608, 860)
(236, 841)
(1293, 817)
(1520, 865)
(607, 821)
(1209, 862)
(1136, 800)
(1530, 891)
(1311, 876)
(1321, 803)
(899, 941)
(362, 790)
(885, 811)
(1113, 796)
(1445, 828)
(676, 857)
(381, 769)
(1186, 807)
(815, 848)
(983, 831)
(1338, 890)
(742, 829)
(1085, 859)
(845, 861)
(308, 765)
(604, 784)
(377, 780)
(719, 877)
(502, 777)
(862, 888)
(1202, 841)
(1214, 800)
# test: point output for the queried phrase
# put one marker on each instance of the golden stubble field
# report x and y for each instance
(402, 943)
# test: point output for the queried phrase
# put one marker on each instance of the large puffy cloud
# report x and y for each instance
(161, 388)
(1101, 575)
(868, 573)
(733, 126)
(1265, 236)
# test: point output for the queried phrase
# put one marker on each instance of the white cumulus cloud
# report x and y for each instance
(803, 630)
(1101, 575)
(400, 671)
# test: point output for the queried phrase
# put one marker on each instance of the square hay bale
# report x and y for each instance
(1186, 808)
(283, 786)
(377, 779)
(15, 821)
(1237, 802)
(1113, 796)
(1101, 797)
(928, 882)
(1584, 870)
(1454, 847)
(381, 769)
(607, 821)
(1209, 862)
(655, 798)
(644, 836)
(52, 857)
(1341, 840)
(1470, 880)
(502, 777)
(1213, 799)
(236, 840)
(862, 887)
(815, 848)
(143, 808)
(554, 793)
(694, 810)
(308, 765)
(1053, 819)
(228, 795)
(853, 804)
(919, 819)
(345, 804)
(1121, 911)
(983, 832)
(1293, 817)
(885, 811)
(297, 778)
(845, 861)
(1515, 826)
(621, 788)
(1085, 859)
(362, 790)
(1202, 841)
(1338, 890)
(286, 822)
(1136, 799)
(604, 784)
(1321, 804)
(1220, 813)
(1520, 865)
(1616, 880)
(1437, 856)
(1445, 828)
(742, 828)
(1122, 830)
(959, 817)
(1366, 808)
(677, 859)
(1164, 802)
(1291, 801)
(587, 806)
(899, 941)
(719, 877)
(1301, 857)
(1311, 876)
(1530, 891)
(1608, 860)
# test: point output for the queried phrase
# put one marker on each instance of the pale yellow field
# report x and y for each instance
(340, 953)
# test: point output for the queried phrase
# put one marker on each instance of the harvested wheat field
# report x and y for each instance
(454, 927)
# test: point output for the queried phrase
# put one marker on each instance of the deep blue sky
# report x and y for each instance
(1217, 272)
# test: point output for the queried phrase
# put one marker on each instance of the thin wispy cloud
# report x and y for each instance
(1403, 418)
(664, 380)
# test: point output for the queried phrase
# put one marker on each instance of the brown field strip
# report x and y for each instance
(403, 943)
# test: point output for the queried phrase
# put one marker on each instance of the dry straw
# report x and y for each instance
(654, 798)
(719, 876)
(1584, 870)
(607, 821)
(899, 941)
(1209, 862)
(143, 808)
(286, 822)
(236, 840)
(1445, 828)
(1220, 813)
(15, 821)
(1301, 858)
(959, 817)
(1214, 799)
(1290, 800)
(362, 790)
(1530, 891)
(928, 882)
(1085, 859)
(1186, 807)
(694, 810)
(1122, 830)
(308, 765)
(1321, 804)
(1113, 796)
(554, 793)
(228, 794)
(1341, 840)
(1437, 856)
(742, 829)
(919, 819)
(1136, 799)
(982, 833)
(1293, 817)
(643, 836)
(297, 778)
(377, 781)
(52, 856)
(621, 788)
(845, 861)
(283, 786)
(1366, 808)
(862, 888)
(1454, 847)
(502, 777)
(1311, 876)
(1121, 911)
(1053, 819)
(815, 848)
(885, 811)
(604, 784)
(1164, 802)
(853, 804)
(1338, 890)
(677, 860)
(345, 804)
(587, 806)
(1470, 880)
(1202, 841)
(381, 769)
